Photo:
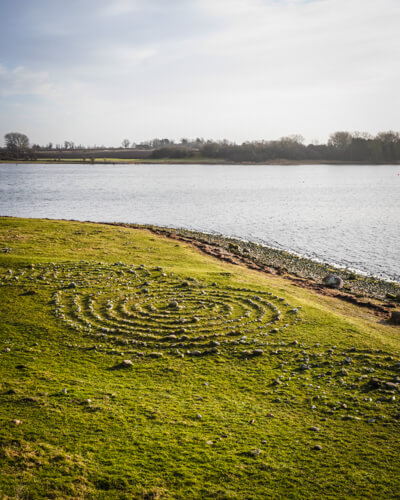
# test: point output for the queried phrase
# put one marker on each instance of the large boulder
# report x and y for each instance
(333, 281)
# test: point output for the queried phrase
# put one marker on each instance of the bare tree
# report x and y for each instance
(340, 140)
(16, 142)
(125, 143)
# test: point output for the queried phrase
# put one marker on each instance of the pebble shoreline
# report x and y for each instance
(286, 262)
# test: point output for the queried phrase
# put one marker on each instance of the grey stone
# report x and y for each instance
(333, 281)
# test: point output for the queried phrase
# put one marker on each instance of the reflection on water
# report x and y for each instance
(347, 215)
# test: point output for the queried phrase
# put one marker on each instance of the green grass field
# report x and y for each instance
(133, 161)
(133, 366)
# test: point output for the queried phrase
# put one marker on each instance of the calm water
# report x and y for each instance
(348, 215)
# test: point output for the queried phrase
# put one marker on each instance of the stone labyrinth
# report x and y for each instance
(154, 313)
(154, 310)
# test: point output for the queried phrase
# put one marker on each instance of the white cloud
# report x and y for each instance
(120, 7)
(21, 81)
(129, 56)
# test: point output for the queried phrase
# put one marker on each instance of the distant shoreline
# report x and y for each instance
(197, 161)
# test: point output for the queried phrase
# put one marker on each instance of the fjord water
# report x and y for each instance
(343, 214)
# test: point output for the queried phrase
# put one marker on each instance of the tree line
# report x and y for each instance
(342, 146)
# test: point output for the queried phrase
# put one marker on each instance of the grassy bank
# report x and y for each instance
(235, 384)
(196, 160)
(115, 161)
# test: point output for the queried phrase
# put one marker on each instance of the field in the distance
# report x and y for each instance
(133, 366)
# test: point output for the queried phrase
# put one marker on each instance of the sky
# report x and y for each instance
(100, 71)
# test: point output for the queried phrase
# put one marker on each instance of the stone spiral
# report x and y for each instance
(150, 309)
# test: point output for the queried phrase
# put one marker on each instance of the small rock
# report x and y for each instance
(198, 416)
(314, 429)
(17, 422)
(390, 385)
(256, 452)
(210, 442)
(317, 447)
(126, 363)
(6, 349)
(374, 383)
